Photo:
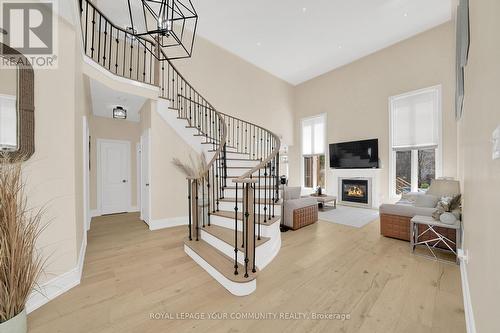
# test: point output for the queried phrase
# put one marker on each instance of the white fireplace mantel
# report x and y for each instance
(334, 175)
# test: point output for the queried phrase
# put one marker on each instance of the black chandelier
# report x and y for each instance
(171, 24)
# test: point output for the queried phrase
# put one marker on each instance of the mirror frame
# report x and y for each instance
(25, 106)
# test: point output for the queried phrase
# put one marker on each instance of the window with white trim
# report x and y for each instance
(313, 151)
(415, 140)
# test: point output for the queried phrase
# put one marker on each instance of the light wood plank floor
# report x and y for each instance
(131, 272)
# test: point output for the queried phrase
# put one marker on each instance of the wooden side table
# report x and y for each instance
(436, 237)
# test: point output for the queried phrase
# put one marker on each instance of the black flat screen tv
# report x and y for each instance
(354, 155)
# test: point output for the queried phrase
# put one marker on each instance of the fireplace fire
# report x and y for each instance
(355, 190)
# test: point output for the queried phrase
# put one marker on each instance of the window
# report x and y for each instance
(313, 151)
(415, 140)
(8, 123)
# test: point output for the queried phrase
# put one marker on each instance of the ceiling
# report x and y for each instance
(299, 40)
(104, 99)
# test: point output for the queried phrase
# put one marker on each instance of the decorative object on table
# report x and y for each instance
(447, 218)
(448, 204)
(283, 180)
(20, 262)
(323, 199)
(319, 191)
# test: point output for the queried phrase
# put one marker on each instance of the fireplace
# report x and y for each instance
(355, 191)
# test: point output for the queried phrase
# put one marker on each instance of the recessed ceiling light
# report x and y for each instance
(405, 14)
(259, 43)
(340, 46)
(304, 9)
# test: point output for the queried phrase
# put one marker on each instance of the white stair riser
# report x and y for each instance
(235, 288)
(229, 206)
(264, 253)
(265, 231)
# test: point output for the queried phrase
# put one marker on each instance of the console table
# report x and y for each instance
(435, 236)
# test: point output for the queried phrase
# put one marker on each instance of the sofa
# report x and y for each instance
(298, 211)
(395, 218)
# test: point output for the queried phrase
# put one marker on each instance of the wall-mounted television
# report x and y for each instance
(354, 155)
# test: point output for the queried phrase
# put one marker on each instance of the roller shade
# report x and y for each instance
(313, 135)
(415, 120)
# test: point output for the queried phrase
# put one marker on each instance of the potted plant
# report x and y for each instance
(20, 263)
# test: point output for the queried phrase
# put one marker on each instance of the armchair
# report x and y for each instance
(298, 212)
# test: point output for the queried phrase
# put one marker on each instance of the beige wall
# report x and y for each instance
(240, 89)
(113, 129)
(51, 173)
(480, 175)
(168, 185)
(355, 97)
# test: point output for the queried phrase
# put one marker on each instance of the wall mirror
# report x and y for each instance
(17, 121)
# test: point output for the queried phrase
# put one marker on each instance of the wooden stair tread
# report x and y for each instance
(227, 235)
(230, 215)
(259, 187)
(257, 200)
(241, 159)
(218, 260)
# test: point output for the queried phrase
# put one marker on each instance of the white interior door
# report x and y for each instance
(145, 176)
(114, 180)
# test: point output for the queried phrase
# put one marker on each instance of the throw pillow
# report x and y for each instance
(426, 200)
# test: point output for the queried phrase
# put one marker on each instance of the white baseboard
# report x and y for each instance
(469, 314)
(133, 209)
(58, 285)
(168, 222)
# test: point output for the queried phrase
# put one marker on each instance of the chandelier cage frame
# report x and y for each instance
(171, 24)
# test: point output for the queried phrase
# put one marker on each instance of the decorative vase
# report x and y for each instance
(447, 218)
(17, 324)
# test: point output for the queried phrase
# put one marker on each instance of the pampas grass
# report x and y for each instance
(20, 263)
(196, 169)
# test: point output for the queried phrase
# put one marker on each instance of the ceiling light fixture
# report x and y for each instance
(259, 43)
(169, 23)
(405, 14)
(119, 112)
(304, 9)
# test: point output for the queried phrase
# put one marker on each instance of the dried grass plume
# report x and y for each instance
(197, 168)
(20, 262)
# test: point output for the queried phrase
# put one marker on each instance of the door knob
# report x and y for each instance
(124, 181)
(147, 184)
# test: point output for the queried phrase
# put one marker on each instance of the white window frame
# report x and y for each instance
(302, 155)
(414, 154)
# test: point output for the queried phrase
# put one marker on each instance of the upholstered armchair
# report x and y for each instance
(298, 212)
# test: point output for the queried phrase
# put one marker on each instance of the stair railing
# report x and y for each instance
(256, 191)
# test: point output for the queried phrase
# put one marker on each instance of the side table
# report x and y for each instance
(435, 236)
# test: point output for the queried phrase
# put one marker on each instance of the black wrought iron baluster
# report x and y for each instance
(208, 197)
(110, 46)
(270, 174)
(117, 50)
(105, 43)
(213, 188)
(190, 207)
(236, 232)
(203, 200)
(99, 40)
(144, 70)
(93, 33)
(86, 25)
(245, 227)
(259, 188)
(253, 234)
(197, 210)
(124, 53)
(217, 182)
(131, 57)
(225, 165)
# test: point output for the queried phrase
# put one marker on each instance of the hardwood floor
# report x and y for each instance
(131, 273)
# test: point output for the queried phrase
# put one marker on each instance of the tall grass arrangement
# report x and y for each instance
(197, 168)
(20, 227)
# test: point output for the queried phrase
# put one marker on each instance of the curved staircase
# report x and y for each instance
(234, 209)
